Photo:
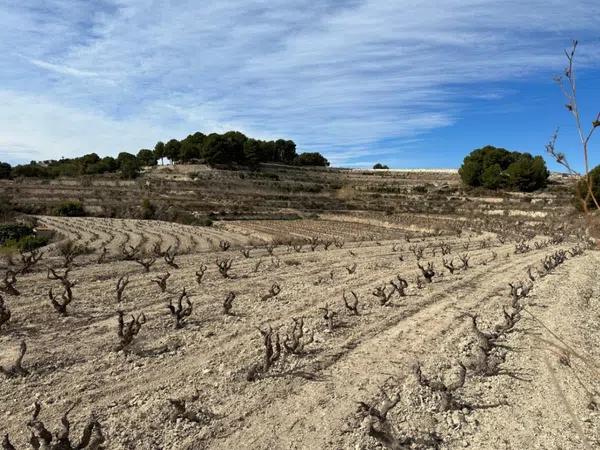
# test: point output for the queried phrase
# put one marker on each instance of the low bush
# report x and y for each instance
(498, 168)
(30, 243)
(582, 196)
(70, 209)
(14, 232)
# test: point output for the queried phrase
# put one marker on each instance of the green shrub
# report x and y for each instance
(527, 173)
(5, 169)
(70, 209)
(311, 159)
(498, 168)
(581, 192)
(29, 243)
(493, 177)
(14, 232)
(148, 210)
(380, 166)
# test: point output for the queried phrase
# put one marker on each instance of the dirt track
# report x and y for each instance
(309, 401)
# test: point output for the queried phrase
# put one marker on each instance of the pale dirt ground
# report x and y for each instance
(116, 233)
(307, 402)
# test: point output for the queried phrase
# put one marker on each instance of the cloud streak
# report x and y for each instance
(350, 78)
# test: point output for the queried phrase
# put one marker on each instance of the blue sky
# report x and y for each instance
(407, 83)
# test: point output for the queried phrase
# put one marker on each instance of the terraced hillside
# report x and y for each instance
(388, 309)
(277, 192)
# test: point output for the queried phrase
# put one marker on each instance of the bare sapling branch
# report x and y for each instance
(447, 402)
(129, 252)
(351, 269)
(8, 284)
(228, 303)
(224, 245)
(383, 294)
(179, 311)
(127, 331)
(92, 437)
(328, 315)
(272, 352)
(429, 272)
(64, 280)
(28, 260)
(224, 265)
(379, 427)
(314, 243)
(417, 250)
(145, 261)
(274, 291)
(400, 286)
(60, 305)
(200, 273)
(352, 305)
(161, 281)
(449, 265)
(465, 260)
(4, 313)
(169, 258)
(122, 283)
(102, 256)
(16, 370)
(567, 84)
(294, 342)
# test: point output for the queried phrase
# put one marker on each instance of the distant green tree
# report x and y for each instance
(285, 151)
(107, 164)
(159, 152)
(235, 146)
(498, 168)
(380, 166)
(215, 149)
(124, 156)
(267, 151)
(5, 169)
(70, 209)
(14, 232)
(188, 151)
(310, 159)
(196, 138)
(129, 169)
(172, 150)
(129, 166)
(252, 152)
(581, 192)
(493, 177)
(528, 173)
(88, 160)
(148, 209)
(32, 169)
(146, 157)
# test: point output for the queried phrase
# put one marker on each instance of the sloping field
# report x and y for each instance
(114, 234)
(522, 374)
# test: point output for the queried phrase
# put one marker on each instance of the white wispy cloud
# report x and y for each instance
(62, 69)
(338, 76)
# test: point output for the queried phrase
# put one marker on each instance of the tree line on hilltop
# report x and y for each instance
(230, 149)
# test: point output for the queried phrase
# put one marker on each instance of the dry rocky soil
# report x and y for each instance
(456, 363)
